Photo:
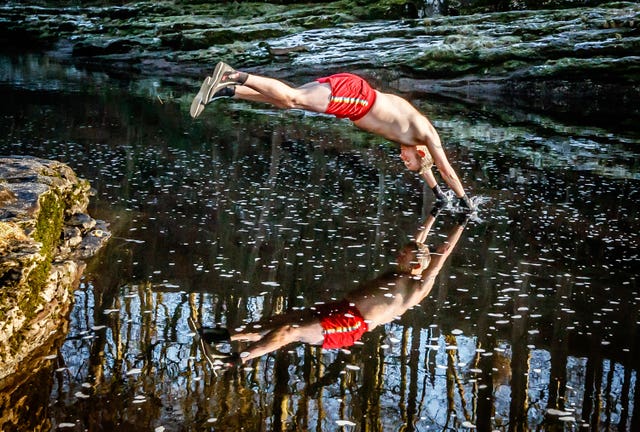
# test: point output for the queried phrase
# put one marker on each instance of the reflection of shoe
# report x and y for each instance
(215, 335)
(210, 86)
(217, 358)
(193, 325)
(210, 335)
(207, 338)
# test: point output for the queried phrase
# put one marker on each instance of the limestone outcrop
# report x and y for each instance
(541, 59)
(45, 234)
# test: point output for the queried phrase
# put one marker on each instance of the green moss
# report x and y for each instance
(47, 231)
(49, 223)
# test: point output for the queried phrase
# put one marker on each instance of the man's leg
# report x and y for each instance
(256, 330)
(219, 80)
(312, 96)
(308, 332)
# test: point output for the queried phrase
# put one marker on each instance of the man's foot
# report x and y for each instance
(211, 85)
(227, 92)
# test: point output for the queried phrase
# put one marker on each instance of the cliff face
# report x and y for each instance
(45, 234)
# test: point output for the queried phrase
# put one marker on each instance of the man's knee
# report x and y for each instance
(295, 99)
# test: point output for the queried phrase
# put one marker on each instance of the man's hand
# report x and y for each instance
(441, 197)
(465, 202)
(436, 210)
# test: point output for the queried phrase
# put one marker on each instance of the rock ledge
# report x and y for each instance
(45, 234)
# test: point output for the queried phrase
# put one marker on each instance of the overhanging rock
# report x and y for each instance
(45, 234)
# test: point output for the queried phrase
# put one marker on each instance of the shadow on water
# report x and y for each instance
(250, 212)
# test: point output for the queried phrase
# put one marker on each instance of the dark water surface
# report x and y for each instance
(248, 212)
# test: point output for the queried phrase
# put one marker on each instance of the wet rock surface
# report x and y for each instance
(45, 234)
(537, 57)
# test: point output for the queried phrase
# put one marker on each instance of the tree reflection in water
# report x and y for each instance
(435, 379)
(145, 369)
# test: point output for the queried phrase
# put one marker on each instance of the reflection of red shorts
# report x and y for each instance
(351, 96)
(342, 324)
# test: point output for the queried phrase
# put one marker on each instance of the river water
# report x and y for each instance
(250, 212)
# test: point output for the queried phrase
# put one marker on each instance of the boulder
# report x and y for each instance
(45, 234)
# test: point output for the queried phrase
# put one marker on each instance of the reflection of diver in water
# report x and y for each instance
(340, 324)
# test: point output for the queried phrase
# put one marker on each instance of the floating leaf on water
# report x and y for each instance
(555, 412)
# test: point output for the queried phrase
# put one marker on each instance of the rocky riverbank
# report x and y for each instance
(45, 234)
(544, 58)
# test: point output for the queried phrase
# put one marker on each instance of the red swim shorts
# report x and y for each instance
(342, 324)
(351, 96)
